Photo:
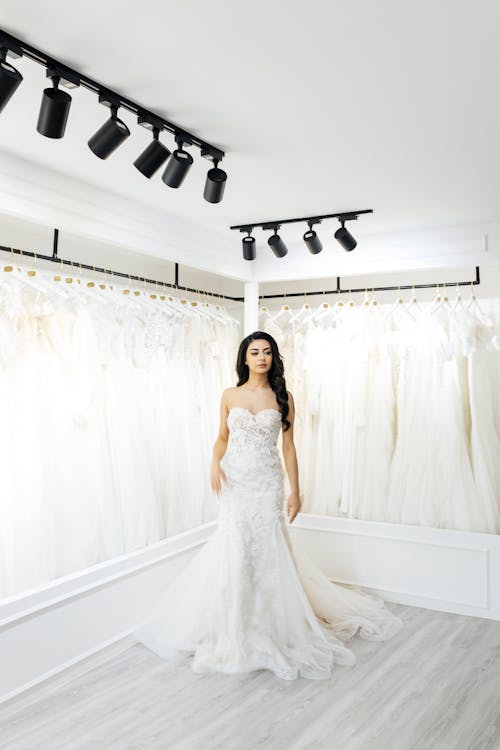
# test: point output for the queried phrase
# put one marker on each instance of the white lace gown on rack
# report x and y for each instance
(251, 598)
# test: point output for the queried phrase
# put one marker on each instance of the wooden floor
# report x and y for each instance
(435, 686)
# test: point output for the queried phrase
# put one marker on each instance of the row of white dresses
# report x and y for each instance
(398, 411)
(102, 397)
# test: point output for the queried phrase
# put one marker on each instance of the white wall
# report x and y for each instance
(445, 247)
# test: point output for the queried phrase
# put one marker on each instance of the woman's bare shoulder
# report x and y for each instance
(227, 393)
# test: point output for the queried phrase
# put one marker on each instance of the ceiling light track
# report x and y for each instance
(311, 239)
(68, 75)
(55, 109)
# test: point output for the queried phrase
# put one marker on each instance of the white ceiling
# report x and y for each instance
(321, 106)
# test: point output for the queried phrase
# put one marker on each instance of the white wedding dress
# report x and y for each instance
(251, 598)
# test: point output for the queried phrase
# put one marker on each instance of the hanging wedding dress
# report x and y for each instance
(251, 598)
(101, 470)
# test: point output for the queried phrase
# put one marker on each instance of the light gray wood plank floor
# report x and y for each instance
(435, 686)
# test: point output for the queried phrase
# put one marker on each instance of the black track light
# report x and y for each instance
(345, 238)
(277, 245)
(10, 78)
(312, 240)
(153, 156)
(215, 184)
(248, 245)
(54, 111)
(177, 167)
(109, 136)
(342, 235)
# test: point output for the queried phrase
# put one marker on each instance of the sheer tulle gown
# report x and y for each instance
(251, 598)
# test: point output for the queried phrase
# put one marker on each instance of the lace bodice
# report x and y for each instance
(252, 446)
(259, 431)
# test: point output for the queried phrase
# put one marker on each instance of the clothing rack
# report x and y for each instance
(54, 258)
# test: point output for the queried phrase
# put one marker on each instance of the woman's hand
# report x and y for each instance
(293, 505)
(216, 475)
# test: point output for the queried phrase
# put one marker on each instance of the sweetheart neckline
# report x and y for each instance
(251, 412)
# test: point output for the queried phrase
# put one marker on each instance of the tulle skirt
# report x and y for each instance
(287, 617)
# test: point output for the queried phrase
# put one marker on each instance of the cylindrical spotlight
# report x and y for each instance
(248, 245)
(152, 157)
(215, 184)
(10, 78)
(345, 238)
(54, 111)
(177, 168)
(312, 241)
(277, 245)
(109, 136)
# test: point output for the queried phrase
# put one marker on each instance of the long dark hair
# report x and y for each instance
(275, 375)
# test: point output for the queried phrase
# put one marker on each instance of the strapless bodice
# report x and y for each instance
(252, 443)
(261, 428)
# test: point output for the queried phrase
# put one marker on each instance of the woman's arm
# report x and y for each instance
(220, 446)
(290, 456)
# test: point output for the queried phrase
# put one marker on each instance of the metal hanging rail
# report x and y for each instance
(54, 258)
(339, 290)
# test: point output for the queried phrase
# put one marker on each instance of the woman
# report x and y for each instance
(251, 599)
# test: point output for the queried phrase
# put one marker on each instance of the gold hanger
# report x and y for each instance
(9, 268)
(69, 279)
(91, 282)
(57, 277)
(154, 295)
(306, 305)
(136, 292)
(194, 303)
(163, 296)
(32, 272)
(205, 302)
(127, 291)
(101, 284)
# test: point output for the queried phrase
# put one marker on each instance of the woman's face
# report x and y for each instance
(259, 356)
